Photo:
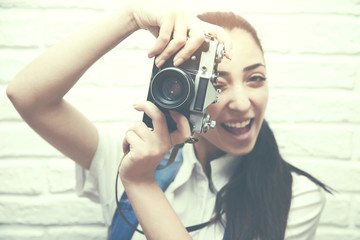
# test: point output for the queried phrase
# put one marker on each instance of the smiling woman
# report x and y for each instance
(233, 176)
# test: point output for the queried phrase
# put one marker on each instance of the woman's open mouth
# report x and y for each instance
(238, 128)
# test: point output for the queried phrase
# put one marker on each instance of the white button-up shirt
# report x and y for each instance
(189, 193)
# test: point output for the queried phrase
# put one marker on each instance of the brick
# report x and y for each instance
(340, 175)
(16, 232)
(337, 211)
(356, 207)
(315, 141)
(356, 149)
(74, 232)
(92, 232)
(306, 7)
(20, 140)
(315, 72)
(328, 36)
(68, 4)
(20, 4)
(313, 106)
(12, 61)
(61, 175)
(278, 6)
(66, 22)
(313, 35)
(272, 39)
(21, 28)
(51, 4)
(49, 210)
(357, 83)
(20, 176)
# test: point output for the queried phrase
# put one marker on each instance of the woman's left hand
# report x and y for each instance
(176, 31)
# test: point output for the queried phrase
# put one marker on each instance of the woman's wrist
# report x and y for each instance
(147, 182)
(153, 211)
(127, 12)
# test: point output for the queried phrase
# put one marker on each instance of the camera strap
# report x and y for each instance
(175, 150)
(172, 157)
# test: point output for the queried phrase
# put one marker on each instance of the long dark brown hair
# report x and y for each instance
(256, 200)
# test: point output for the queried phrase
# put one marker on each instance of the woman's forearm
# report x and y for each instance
(155, 214)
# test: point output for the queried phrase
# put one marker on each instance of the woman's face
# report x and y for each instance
(242, 101)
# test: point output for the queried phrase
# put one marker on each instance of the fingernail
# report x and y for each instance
(159, 62)
(178, 61)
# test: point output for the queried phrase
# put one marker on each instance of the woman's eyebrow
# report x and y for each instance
(253, 66)
(246, 69)
(223, 73)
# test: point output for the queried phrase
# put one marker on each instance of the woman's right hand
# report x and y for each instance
(144, 148)
(174, 29)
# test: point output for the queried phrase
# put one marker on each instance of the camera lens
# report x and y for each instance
(172, 88)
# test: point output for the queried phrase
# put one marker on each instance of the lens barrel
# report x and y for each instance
(172, 88)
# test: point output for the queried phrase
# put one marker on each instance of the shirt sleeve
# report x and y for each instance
(308, 201)
(98, 183)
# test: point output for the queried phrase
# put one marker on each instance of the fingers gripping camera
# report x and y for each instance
(188, 88)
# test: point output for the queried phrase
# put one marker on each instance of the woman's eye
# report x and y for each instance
(216, 85)
(219, 86)
(257, 78)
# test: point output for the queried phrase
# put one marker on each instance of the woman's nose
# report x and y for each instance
(239, 99)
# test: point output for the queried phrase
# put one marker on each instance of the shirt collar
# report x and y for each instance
(221, 168)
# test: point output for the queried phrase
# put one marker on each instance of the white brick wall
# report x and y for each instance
(313, 57)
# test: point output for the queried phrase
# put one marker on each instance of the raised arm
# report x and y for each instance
(37, 91)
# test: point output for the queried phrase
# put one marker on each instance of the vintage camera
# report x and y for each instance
(188, 88)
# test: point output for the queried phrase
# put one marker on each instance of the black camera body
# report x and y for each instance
(188, 88)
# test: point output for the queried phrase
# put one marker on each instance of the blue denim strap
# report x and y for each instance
(120, 230)
(225, 237)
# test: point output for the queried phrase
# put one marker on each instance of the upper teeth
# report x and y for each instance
(237, 124)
